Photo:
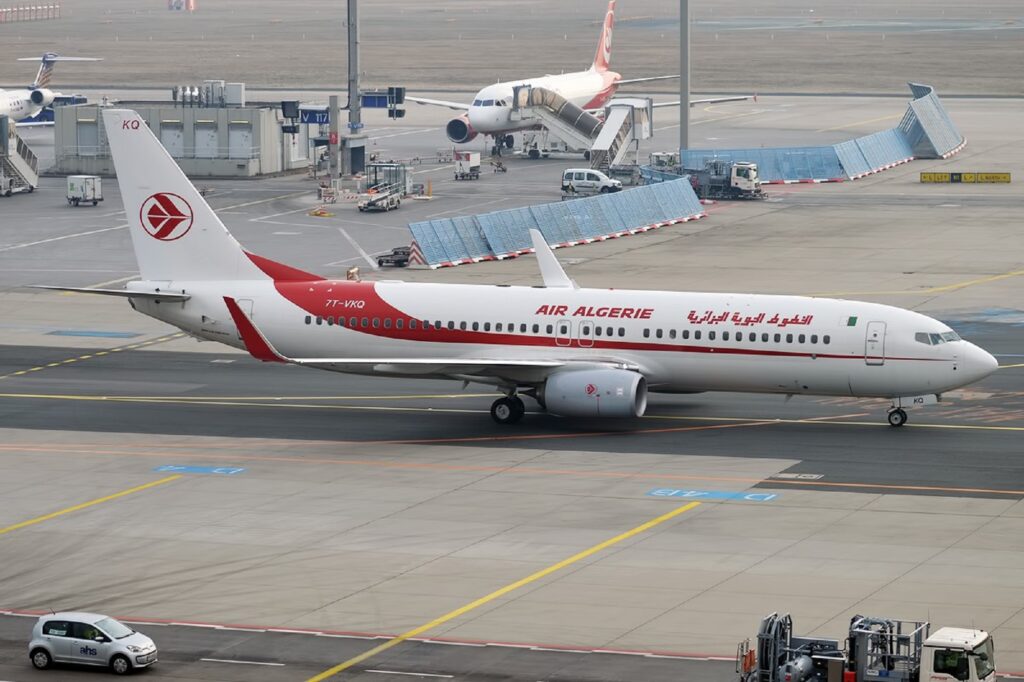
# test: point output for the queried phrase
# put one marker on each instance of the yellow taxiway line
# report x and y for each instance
(86, 505)
(95, 354)
(462, 610)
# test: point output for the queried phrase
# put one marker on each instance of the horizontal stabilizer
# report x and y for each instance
(123, 293)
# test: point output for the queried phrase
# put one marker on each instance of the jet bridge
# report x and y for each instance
(18, 165)
(608, 140)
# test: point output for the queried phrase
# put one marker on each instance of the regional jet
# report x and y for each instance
(575, 351)
(24, 105)
(491, 111)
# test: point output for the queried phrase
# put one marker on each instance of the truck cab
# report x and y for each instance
(744, 177)
(958, 655)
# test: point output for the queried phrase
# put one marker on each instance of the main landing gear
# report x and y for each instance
(897, 417)
(508, 410)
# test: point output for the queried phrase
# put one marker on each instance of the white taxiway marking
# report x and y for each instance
(408, 132)
(398, 672)
(227, 660)
(355, 245)
(57, 239)
(121, 227)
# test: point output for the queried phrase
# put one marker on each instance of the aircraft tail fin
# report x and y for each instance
(46, 62)
(175, 233)
(603, 56)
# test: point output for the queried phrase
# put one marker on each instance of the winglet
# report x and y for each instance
(550, 269)
(254, 341)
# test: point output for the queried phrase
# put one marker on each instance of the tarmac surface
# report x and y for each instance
(157, 479)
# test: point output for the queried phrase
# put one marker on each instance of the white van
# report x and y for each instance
(587, 181)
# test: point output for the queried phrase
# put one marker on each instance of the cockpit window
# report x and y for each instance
(933, 339)
(487, 103)
(477, 102)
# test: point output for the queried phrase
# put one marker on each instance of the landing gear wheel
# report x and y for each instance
(534, 154)
(508, 410)
(897, 417)
(510, 142)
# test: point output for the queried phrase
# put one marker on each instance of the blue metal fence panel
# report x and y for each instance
(493, 227)
(664, 197)
(852, 159)
(453, 240)
(884, 148)
(469, 230)
(936, 124)
(429, 243)
(585, 222)
(450, 239)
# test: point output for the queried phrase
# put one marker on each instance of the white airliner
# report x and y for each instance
(490, 113)
(25, 104)
(577, 352)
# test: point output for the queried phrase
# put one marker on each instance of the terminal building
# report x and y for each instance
(209, 136)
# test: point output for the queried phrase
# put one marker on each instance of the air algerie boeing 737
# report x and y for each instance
(490, 113)
(577, 352)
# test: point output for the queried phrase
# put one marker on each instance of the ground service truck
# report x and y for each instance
(876, 650)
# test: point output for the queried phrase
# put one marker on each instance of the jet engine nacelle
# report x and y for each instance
(41, 97)
(459, 130)
(596, 393)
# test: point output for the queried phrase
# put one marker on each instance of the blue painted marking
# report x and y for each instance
(179, 469)
(86, 332)
(712, 495)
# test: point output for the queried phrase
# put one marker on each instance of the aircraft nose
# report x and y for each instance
(979, 362)
(477, 120)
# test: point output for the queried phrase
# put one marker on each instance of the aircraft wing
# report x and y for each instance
(648, 79)
(438, 103)
(525, 369)
(710, 100)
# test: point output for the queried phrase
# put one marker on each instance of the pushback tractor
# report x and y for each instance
(876, 649)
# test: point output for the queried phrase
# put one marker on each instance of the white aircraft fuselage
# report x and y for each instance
(19, 105)
(680, 342)
(491, 111)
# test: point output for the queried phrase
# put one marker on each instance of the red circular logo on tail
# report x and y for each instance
(166, 216)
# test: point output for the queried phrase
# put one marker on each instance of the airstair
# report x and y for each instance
(626, 122)
(566, 120)
(609, 140)
(18, 165)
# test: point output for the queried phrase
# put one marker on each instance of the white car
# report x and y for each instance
(587, 181)
(89, 639)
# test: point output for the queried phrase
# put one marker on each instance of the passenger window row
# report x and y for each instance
(523, 328)
(751, 337)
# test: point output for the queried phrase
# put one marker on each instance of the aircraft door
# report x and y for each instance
(586, 335)
(563, 332)
(874, 344)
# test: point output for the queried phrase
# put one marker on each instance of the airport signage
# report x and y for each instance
(712, 495)
(314, 116)
(977, 178)
(180, 469)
